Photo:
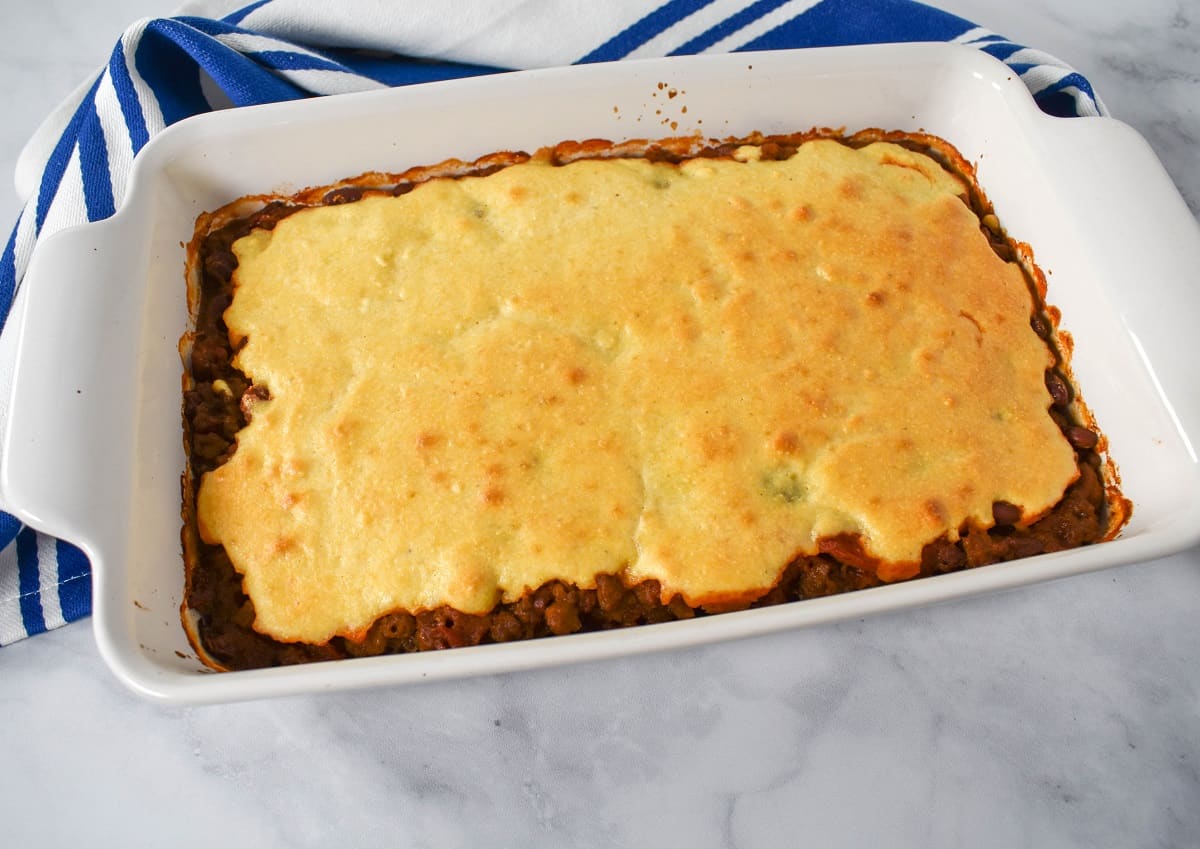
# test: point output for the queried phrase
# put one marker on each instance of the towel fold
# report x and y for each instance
(76, 167)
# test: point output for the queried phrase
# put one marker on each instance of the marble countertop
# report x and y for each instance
(1064, 714)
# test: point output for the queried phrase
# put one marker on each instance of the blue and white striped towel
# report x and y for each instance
(76, 167)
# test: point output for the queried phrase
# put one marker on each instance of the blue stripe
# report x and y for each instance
(835, 22)
(8, 279)
(1072, 79)
(171, 74)
(131, 107)
(1001, 50)
(240, 15)
(10, 526)
(244, 81)
(56, 165)
(187, 37)
(634, 36)
(93, 164)
(74, 581)
(727, 27)
(29, 588)
(1053, 100)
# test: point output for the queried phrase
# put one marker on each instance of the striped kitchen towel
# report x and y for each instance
(76, 166)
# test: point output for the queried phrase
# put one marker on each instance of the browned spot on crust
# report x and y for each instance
(876, 299)
(802, 213)
(493, 496)
(786, 442)
(428, 439)
(850, 189)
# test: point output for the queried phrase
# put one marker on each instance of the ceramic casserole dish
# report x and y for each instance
(93, 451)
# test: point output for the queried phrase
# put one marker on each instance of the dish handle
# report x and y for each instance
(1138, 206)
(68, 434)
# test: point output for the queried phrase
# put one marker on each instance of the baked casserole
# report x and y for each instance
(615, 384)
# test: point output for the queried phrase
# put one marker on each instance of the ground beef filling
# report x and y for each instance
(218, 403)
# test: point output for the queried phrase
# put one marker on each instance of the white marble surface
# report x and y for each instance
(1065, 714)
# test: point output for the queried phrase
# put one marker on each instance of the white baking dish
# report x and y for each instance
(93, 449)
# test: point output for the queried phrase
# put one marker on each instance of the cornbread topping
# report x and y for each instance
(689, 375)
